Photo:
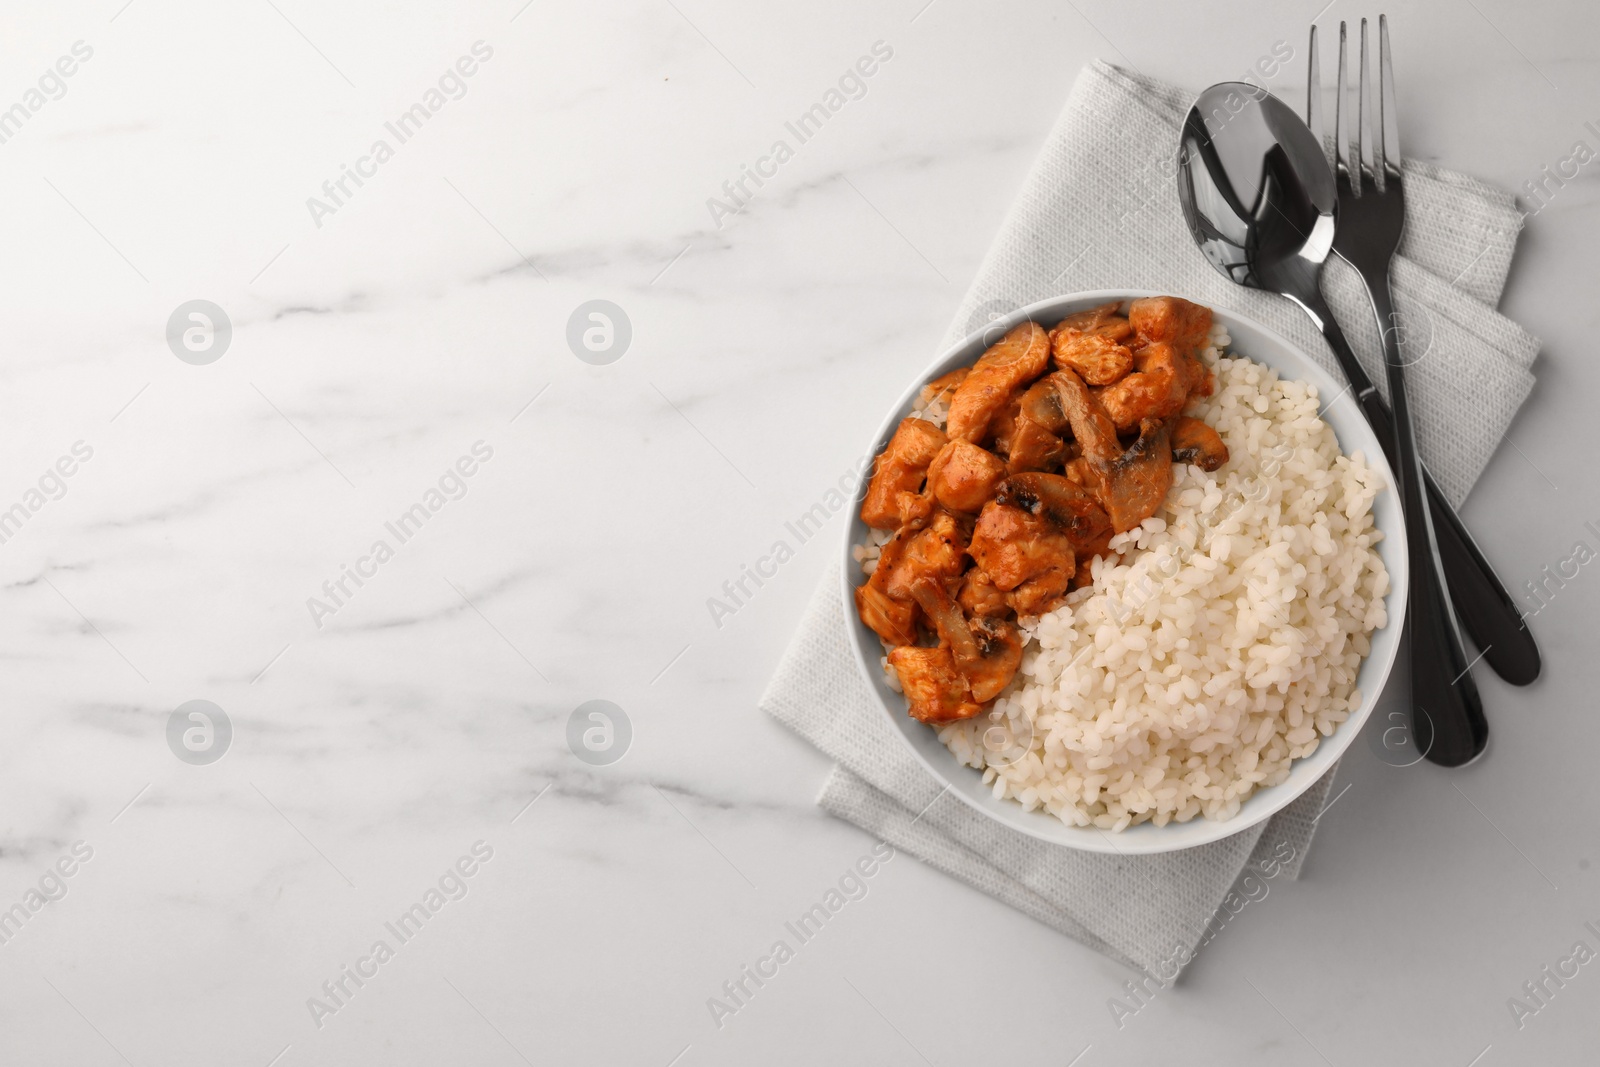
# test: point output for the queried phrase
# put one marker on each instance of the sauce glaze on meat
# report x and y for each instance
(1056, 441)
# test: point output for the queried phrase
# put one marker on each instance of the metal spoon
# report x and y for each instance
(1260, 200)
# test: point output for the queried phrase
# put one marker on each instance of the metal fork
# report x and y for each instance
(1483, 606)
(1447, 713)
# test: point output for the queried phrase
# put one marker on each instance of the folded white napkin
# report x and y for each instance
(1099, 210)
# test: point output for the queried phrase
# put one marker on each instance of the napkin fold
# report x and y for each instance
(1099, 210)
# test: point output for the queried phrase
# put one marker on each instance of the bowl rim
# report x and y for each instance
(1263, 803)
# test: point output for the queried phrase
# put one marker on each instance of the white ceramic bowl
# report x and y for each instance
(1257, 343)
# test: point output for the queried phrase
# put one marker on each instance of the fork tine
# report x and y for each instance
(1314, 87)
(1390, 114)
(1367, 145)
(1342, 121)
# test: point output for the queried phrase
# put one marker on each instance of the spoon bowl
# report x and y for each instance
(1257, 192)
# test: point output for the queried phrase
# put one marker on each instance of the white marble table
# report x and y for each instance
(381, 336)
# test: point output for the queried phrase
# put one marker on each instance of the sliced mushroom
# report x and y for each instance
(1057, 498)
(1134, 485)
(1195, 442)
(1131, 483)
(986, 654)
(1034, 448)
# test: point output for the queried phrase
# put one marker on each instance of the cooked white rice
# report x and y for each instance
(1223, 645)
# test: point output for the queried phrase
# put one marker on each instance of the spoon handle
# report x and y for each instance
(1447, 713)
(1482, 603)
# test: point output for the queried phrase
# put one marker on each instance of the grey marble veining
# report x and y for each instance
(381, 739)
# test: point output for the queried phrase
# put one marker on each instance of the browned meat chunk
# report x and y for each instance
(1157, 389)
(1195, 442)
(1105, 321)
(900, 468)
(938, 550)
(1040, 594)
(1013, 546)
(979, 596)
(1020, 356)
(987, 652)
(1171, 319)
(944, 386)
(1085, 572)
(935, 690)
(890, 619)
(1098, 359)
(1201, 381)
(963, 476)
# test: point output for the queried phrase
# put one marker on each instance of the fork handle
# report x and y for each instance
(1482, 603)
(1447, 712)
(1485, 608)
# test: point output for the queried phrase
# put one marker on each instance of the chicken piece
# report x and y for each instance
(1040, 594)
(1195, 442)
(1157, 389)
(916, 508)
(979, 597)
(1020, 356)
(935, 690)
(1130, 484)
(1201, 381)
(987, 652)
(944, 386)
(1104, 321)
(1072, 508)
(1034, 448)
(938, 550)
(890, 619)
(1101, 547)
(963, 476)
(1098, 359)
(900, 468)
(1013, 546)
(1170, 319)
